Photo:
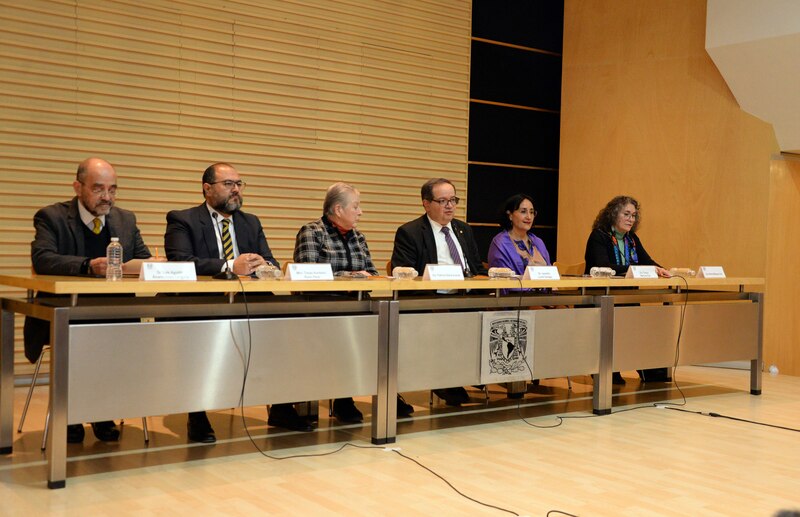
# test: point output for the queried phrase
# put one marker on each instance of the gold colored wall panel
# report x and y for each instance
(782, 300)
(646, 113)
(296, 94)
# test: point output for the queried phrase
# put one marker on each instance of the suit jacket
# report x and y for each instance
(58, 248)
(414, 245)
(600, 253)
(191, 236)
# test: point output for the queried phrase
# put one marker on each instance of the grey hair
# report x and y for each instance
(337, 194)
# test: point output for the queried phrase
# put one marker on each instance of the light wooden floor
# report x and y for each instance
(638, 463)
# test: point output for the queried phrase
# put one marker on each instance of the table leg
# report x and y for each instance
(756, 365)
(59, 383)
(6, 381)
(601, 398)
(384, 404)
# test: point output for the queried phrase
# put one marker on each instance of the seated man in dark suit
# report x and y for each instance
(237, 244)
(429, 240)
(71, 239)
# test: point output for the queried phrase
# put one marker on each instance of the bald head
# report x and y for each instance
(92, 164)
(96, 185)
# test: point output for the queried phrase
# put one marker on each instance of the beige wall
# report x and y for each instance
(296, 94)
(646, 113)
(781, 326)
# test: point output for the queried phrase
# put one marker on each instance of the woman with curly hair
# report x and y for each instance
(613, 242)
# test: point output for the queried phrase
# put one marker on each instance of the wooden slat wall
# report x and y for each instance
(296, 94)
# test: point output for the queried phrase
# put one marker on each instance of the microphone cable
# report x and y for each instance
(344, 445)
(718, 415)
(676, 358)
(561, 418)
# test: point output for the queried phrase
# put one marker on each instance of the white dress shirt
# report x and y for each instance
(218, 235)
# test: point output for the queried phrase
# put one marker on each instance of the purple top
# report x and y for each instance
(503, 252)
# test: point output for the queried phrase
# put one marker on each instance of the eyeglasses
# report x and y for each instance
(229, 184)
(97, 190)
(525, 211)
(628, 215)
(444, 202)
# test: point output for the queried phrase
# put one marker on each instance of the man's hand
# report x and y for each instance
(246, 263)
(98, 266)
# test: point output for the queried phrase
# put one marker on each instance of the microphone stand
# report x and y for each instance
(227, 274)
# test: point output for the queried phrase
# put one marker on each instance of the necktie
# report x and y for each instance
(97, 226)
(452, 247)
(227, 242)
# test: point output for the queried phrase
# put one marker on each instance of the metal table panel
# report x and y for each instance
(293, 359)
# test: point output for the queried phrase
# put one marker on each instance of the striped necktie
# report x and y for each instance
(452, 247)
(227, 242)
(98, 226)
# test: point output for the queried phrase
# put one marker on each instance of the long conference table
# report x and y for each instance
(166, 347)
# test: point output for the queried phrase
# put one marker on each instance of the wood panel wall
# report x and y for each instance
(781, 326)
(297, 94)
(646, 113)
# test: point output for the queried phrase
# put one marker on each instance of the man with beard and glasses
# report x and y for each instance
(197, 235)
(71, 239)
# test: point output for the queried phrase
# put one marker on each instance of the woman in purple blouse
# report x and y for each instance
(516, 247)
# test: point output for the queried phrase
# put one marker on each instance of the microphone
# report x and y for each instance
(227, 274)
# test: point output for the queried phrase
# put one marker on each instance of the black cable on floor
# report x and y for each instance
(343, 446)
(717, 415)
(462, 494)
(676, 359)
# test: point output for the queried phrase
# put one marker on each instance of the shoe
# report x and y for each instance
(346, 412)
(654, 375)
(517, 395)
(404, 409)
(452, 396)
(285, 416)
(105, 431)
(616, 378)
(199, 428)
(75, 433)
(460, 393)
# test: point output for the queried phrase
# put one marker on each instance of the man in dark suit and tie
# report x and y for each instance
(71, 239)
(237, 244)
(438, 238)
(429, 238)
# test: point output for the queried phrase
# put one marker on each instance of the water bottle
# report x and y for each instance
(114, 258)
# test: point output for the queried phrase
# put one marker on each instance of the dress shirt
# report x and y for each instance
(218, 235)
(442, 251)
(88, 219)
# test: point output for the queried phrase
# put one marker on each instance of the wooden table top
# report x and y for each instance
(84, 285)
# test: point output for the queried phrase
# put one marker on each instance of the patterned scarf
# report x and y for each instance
(629, 256)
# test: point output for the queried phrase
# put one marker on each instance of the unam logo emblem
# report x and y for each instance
(507, 346)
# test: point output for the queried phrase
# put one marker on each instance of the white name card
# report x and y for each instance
(711, 272)
(312, 271)
(541, 273)
(443, 272)
(642, 272)
(184, 271)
